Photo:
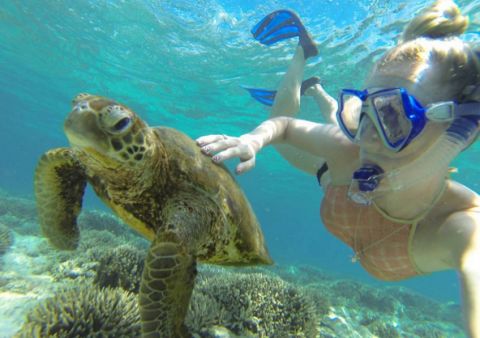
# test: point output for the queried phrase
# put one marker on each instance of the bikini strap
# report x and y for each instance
(322, 170)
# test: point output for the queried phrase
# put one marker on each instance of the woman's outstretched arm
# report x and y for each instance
(321, 140)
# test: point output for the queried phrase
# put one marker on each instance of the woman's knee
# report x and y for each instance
(287, 104)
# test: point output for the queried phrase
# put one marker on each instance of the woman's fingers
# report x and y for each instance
(211, 144)
(226, 147)
(204, 140)
(245, 166)
(239, 151)
(215, 147)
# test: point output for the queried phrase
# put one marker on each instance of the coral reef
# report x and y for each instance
(121, 267)
(347, 307)
(249, 304)
(93, 238)
(92, 220)
(20, 207)
(6, 238)
(414, 305)
(382, 329)
(97, 252)
(301, 274)
(84, 312)
(278, 301)
(96, 227)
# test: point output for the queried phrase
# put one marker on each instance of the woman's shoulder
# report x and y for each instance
(457, 198)
(461, 196)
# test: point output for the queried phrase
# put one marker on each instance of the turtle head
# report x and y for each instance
(107, 130)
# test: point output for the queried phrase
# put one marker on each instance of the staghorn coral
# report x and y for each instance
(320, 298)
(121, 267)
(352, 293)
(204, 312)
(6, 238)
(84, 312)
(378, 301)
(253, 303)
(422, 308)
(21, 225)
(382, 329)
(106, 225)
(19, 207)
(300, 274)
(99, 220)
(99, 239)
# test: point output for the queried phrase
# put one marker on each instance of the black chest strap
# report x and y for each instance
(323, 169)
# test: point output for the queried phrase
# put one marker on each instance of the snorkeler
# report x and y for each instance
(389, 196)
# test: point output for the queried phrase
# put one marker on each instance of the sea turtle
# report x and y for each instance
(157, 181)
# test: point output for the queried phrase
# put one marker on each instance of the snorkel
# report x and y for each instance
(370, 181)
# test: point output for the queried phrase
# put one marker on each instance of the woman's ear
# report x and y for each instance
(471, 93)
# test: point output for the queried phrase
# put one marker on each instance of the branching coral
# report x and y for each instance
(84, 312)
(6, 238)
(121, 267)
(94, 222)
(18, 207)
(99, 220)
(254, 303)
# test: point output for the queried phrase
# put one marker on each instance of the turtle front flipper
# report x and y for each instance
(59, 186)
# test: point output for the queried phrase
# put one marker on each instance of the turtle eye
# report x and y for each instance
(117, 119)
(122, 124)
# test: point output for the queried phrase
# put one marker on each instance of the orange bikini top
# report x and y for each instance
(381, 243)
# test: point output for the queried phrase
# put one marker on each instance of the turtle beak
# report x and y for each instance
(81, 128)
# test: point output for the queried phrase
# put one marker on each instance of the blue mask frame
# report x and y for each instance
(414, 112)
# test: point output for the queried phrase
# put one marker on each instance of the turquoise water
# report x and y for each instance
(181, 64)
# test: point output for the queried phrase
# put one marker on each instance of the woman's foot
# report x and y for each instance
(284, 24)
(266, 96)
(308, 85)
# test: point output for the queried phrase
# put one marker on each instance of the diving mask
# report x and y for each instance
(397, 116)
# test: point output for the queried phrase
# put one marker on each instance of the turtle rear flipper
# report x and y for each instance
(188, 221)
(59, 186)
(166, 289)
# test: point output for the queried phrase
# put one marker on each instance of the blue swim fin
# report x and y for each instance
(284, 24)
(263, 96)
(266, 96)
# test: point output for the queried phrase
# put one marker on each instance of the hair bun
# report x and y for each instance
(440, 20)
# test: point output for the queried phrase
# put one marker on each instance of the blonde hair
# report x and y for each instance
(431, 46)
(441, 19)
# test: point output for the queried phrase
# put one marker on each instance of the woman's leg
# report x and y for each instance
(327, 104)
(287, 99)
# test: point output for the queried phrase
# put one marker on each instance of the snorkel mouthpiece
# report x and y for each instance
(364, 181)
(368, 177)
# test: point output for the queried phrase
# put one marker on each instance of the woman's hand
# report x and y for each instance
(223, 147)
